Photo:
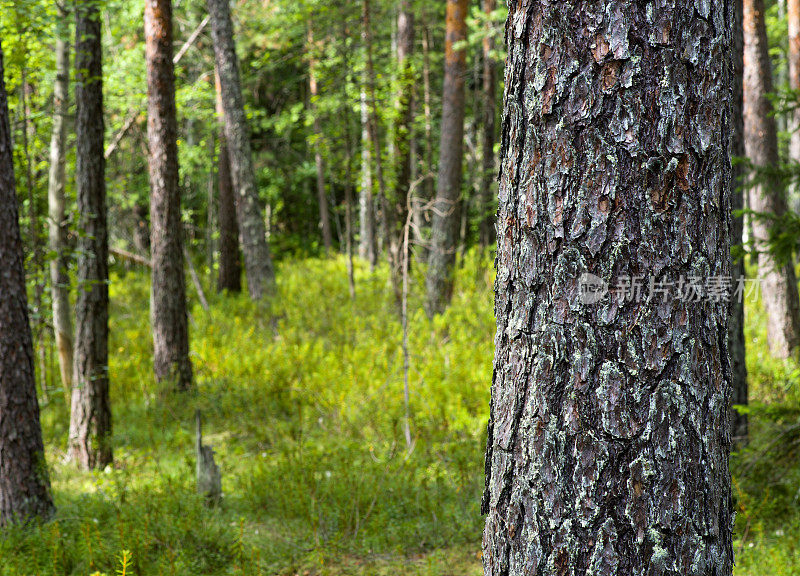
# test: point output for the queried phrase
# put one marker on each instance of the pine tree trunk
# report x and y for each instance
(736, 340)
(609, 433)
(778, 283)
(367, 247)
(249, 209)
(444, 233)
(404, 126)
(230, 267)
(168, 313)
(57, 222)
(24, 484)
(90, 424)
(487, 191)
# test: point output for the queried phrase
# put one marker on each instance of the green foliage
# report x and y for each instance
(303, 405)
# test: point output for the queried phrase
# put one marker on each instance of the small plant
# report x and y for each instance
(125, 562)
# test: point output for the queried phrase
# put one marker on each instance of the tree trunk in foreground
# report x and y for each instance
(609, 433)
(90, 424)
(444, 232)
(168, 314)
(24, 484)
(230, 267)
(249, 209)
(736, 327)
(488, 182)
(778, 283)
(56, 202)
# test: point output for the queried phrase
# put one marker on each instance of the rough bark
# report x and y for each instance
(367, 247)
(487, 190)
(249, 209)
(444, 232)
(736, 340)
(778, 283)
(168, 315)
(90, 424)
(230, 267)
(404, 125)
(24, 483)
(322, 197)
(609, 433)
(56, 202)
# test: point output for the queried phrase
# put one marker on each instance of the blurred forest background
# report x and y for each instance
(348, 423)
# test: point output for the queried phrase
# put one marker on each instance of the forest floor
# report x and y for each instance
(303, 404)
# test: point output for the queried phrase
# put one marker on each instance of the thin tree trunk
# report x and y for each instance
(736, 340)
(487, 191)
(778, 283)
(24, 484)
(90, 424)
(420, 218)
(793, 17)
(56, 201)
(609, 435)
(168, 315)
(230, 267)
(404, 126)
(367, 248)
(444, 232)
(387, 215)
(249, 208)
(322, 198)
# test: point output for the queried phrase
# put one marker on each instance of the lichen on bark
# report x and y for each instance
(609, 431)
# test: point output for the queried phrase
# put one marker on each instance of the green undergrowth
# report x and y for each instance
(303, 402)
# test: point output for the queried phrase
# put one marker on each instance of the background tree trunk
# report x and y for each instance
(404, 126)
(24, 484)
(56, 201)
(168, 314)
(322, 197)
(90, 424)
(778, 283)
(230, 267)
(793, 17)
(367, 247)
(736, 340)
(487, 191)
(444, 233)
(609, 433)
(249, 210)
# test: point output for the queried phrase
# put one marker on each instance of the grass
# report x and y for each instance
(303, 403)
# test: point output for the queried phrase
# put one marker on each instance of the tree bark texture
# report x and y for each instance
(230, 267)
(778, 283)
(249, 209)
(488, 182)
(736, 340)
(168, 315)
(90, 424)
(609, 432)
(56, 202)
(24, 483)
(444, 231)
